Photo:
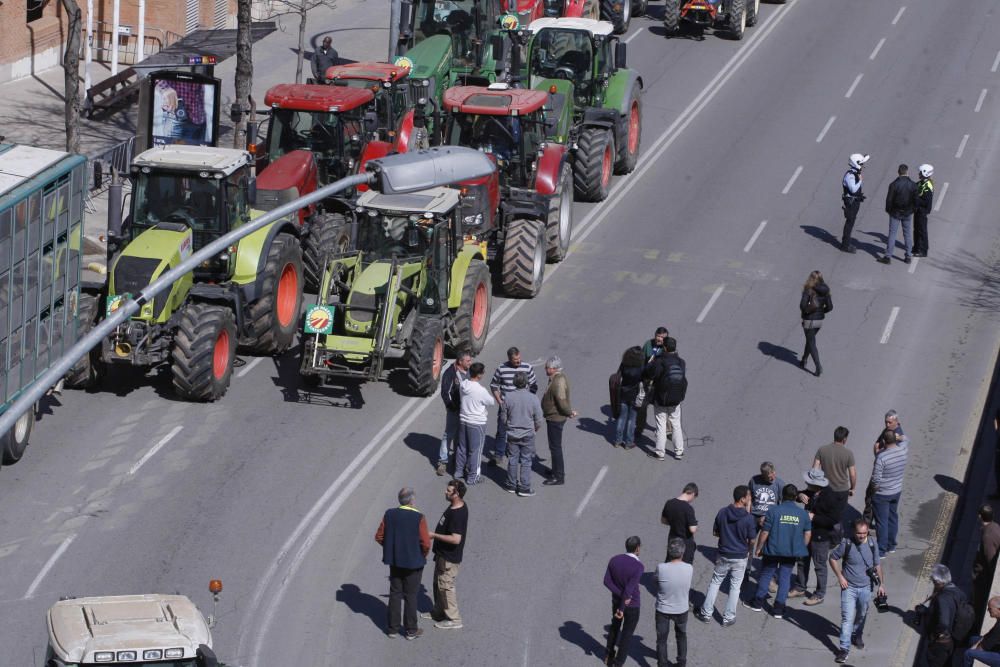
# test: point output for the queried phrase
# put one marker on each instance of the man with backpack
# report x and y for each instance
(949, 618)
(668, 374)
(856, 564)
(900, 201)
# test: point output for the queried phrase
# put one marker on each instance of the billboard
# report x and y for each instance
(184, 109)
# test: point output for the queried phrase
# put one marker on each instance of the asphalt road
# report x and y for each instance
(278, 492)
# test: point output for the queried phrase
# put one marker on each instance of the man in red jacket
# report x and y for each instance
(405, 543)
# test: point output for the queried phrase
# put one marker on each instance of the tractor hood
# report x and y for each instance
(143, 260)
(430, 58)
(371, 283)
(289, 171)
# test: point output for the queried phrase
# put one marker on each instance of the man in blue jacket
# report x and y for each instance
(622, 579)
(405, 543)
(783, 538)
(452, 399)
(736, 529)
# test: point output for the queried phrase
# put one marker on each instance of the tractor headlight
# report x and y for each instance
(152, 654)
(473, 220)
(104, 656)
(128, 655)
(173, 653)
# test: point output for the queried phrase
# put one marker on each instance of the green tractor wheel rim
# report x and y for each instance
(606, 166)
(22, 425)
(220, 356)
(479, 312)
(633, 129)
(288, 288)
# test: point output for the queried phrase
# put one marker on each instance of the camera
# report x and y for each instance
(882, 602)
(919, 615)
(873, 577)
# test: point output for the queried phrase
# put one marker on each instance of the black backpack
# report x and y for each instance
(965, 618)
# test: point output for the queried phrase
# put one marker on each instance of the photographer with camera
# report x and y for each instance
(855, 562)
(946, 621)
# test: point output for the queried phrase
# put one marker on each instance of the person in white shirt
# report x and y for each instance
(476, 399)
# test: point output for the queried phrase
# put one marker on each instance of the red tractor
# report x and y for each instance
(535, 177)
(618, 12)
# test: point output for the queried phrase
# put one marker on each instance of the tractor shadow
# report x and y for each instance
(294, 388)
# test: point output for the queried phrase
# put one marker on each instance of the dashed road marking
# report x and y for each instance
(898, 15)
(711, 302)
(979, 103)
(590, 492)
(246, 369)
(632, 36)
(36, 582)
(878, 47)
(888, 325)
(753, 239)
(791, 181)
(826, 128)
(152, 452)
(996, 62)
(940, 199)
(961, 146)
(850, 91)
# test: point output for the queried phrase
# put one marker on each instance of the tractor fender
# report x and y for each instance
(600, 117)
(619, 88)
(549, 169)
(228, 296)
(575, 8)
(251, 256)
(373, 150)
(536, 208)
(405, 134)
(460, 267)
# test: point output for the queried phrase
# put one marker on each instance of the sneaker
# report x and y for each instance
(392, 634)
(892, 550)
(726, 622)
(884, 259)
(448, 625)
(441, 470)
(553, 481)
(427, 616)
(906, 260)
(472, 481)
(848, 248)
(778, 611)
(796, 593)
(752, 605)
(658, 457)
(919, 254)
(525, 493)
(410, 636)
(857, 642)
(702, 617)
(509, 489)
(813, 600)
(678, 455)
(841, 656)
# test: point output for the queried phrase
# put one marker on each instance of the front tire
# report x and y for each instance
(472, 318)
(524, 258)
(203, 353)
(273, 317)
(559, 227)
(329, 233)
(593, 164)
(426, 357)
(640, 8)
(672, 17)
(628, 155)
(15, 441)
(620, 18)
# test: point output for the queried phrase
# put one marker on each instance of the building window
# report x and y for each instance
(35, 8)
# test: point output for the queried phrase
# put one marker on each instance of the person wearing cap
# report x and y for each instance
(825, 510)
(925, 200)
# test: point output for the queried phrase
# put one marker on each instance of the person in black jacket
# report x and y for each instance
(323, 59)
(815, 303)
(630, 381)
(452, 399)
(668, 374)
(925, 201)
(825, 510)
(944, 601)
(900, 201)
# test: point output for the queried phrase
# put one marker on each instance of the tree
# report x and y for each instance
(71, 74)
(244, 71)
(300, 8)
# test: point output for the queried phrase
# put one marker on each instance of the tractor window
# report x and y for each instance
(499, 136)
(176, 197)
(606, 57)
(236, 199)
(438, 268)
(381, 236)
(318, 132)
(449, 17)
(562, 54)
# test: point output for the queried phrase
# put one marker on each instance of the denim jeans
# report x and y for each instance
(853, 611)
(734, 568)
(783, 565)
(986, 657)
(625, 425)
(894, 223)
(500, 442)
(470, 451)
(663, 622)
(520, 454)
(886, 510)
(449, 438)
(668, 416)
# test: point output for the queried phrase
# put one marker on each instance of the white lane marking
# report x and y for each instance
(940, 199)
(979, 103)
(961, 146)
(791, 181)
(711, 302)
(246, 369)
(632, 36)
(589, 223)
(996, 62)
(753, 239)
(850, 91)
(888, 325)
(898, 15)
(152, 452)
(48, 566)
(878, 47)
(826, 128)
(913, 264)
(590, 492)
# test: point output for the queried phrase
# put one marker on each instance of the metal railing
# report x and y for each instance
(117, 158)
(155, 40)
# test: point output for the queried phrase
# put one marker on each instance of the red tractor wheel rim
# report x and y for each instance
(479, 311)
(606, 166)
(438, 360)
(633, 129)
(220, 356)
(288, 292)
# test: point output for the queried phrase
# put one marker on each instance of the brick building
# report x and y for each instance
(35, 30)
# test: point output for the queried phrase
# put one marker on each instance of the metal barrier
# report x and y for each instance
(127, 44)
(118, 157)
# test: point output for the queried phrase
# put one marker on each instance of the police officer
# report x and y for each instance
(925, 200)
(852, 197)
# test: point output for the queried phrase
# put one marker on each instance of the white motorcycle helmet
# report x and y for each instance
(858, 160)
(926, 170)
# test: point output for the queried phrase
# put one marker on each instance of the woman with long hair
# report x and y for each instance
(814, 304)
(630, 372)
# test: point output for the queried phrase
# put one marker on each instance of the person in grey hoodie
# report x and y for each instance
(521, 411)
(814, 304)
(736, 530)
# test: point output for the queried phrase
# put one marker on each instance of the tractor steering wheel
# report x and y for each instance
(566, 73)
(181, 214)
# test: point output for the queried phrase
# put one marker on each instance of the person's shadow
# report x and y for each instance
(360, 602)
(820, 628)
(573, 632)
(778, 352)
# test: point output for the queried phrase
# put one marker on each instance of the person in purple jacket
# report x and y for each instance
(622, 579)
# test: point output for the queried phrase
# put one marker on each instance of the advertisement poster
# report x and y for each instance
(184, 109)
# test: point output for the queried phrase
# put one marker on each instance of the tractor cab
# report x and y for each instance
(465, 22)
(389, 83)
(581, 51)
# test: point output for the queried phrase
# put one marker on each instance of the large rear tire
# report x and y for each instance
(15, 441)
(524, 258)
(672, 17)
(203, 353)
(736, 23)
(274, 316)
(753, 12)
(628, 153)
(86, 372)
(426, 358)
(472, 318)
(327, 233)
(593, 164)
(620, 18)
(559, 227)
(640, 8)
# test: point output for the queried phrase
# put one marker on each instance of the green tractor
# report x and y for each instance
(416, 285)
(184, 197)
(582, 64)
